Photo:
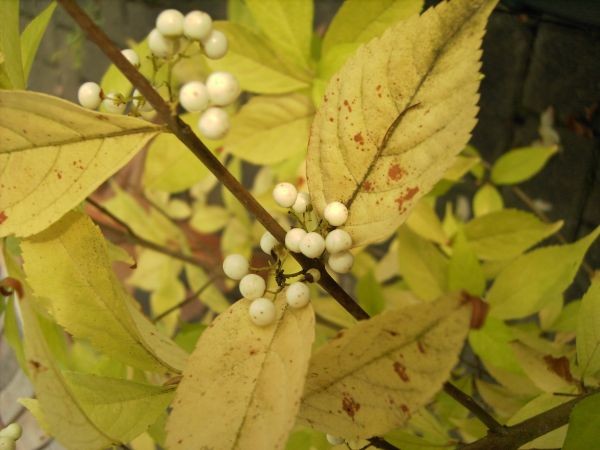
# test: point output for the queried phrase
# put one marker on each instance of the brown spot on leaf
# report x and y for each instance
(421, 347)
(3, 217)
(560, 366)
(395, 172)
(253, 351)
(367, 186)
(36, 366)
(349, 405)
(378, 87)
(331, 119)
(391, 332)
(347, 105)
(401, 371)
(101, 117)
(408, 195)
(404, 408)
(358, 138)
(339, 334)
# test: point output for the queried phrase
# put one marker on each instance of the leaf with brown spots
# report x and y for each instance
(395, 117)
(372, 378)
(242, 386)
(53, 154)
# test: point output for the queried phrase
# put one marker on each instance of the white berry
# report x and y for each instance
(235, 266)
(337, 241)
(193, 96)
(197, 25)
(140, 103)
(215, 44)
(268, 242)
(315, 274)
(131, 56)
(90, 95)
(336, 213)
(223, 88)
(214, 123)
(113, 103)
(297, 294)
(161, 46)
(312, 245)
(262, 312)
(7, 443)
(302, 203)
(293, 239)
(334, 440)
(170, 23)
(252, 286)
(341, 262)
(285, 194)
(13, 431)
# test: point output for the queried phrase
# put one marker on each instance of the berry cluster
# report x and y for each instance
(312, 244)
(9, 436)
(168, 43)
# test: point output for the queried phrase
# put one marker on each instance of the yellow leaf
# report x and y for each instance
(487, 199)
(70, 267)
(588, 324)
(395, 117)
(371, 378)
(54, 154)
(520, 164)
(424, 221)
(242, 386)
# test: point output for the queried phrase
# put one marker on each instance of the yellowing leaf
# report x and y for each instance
(268, 130)
(520, 164)
(10, 46)
(373, 376)
(588, 324)
(506, 233)
(424, 221)
(487, 199)
(255, 65)
(461, 166)
(69, 267)
(242, 386)
(491, 344)
(538, 370)
(534, 279)
(32, 36)
(395, 117)
(209, 219)
(54, 154)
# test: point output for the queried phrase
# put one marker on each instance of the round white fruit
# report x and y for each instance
(336, 213)
(223, 88)
(302, 203)
(214, 123)
(197, 25)
(268, 242)
(161, 46)
(215, 44)
(334, 440)
(337, 241)
(312, 245)
(13, 431)
(235, 266)
(285, 194)
(193, 96)
(252, 286)
(131, 56)
(262, 312)
(170, 23)
(113, 103)
(297, 294)
(293, 239)
(341, 262)
(89, 95)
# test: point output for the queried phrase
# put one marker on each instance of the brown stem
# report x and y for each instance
(468, 402)
(378, 442)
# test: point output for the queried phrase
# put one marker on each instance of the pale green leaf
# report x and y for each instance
(464, 270)
(33, 406)
(487, 199)
(491, 344)
(461, 166)
(369, 294)
(538, 369)
(529, 282)
(359, 21)
(268, 130)
(211, 296)
(583, 433)
(588, 330)
(520, 164)
(375, 375)
(150, 265)
(422, 265)
(32, 36)
(209, 219)
(238, 13)
(85, 297)
(507, 233)
(567, 320)
(395, 117)
(10, 46)
(306, 438)
(242, 386)
(65, 151)
(255, 65)
(12, 333)
(424, 221)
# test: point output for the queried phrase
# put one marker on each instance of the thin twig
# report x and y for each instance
(468, 402)
(186, 300)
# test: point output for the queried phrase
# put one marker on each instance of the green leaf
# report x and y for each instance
(255, 65)
(538, 370)
(424, 221)
(288, 26)
(369, 294)
(567, 320)
(209, 219)
(306, 438)
(238, 13)
(12, 333)
(269, 130)
(461, 166)
(422, 265)
(10, 46)
(464, 270)
(588, 324)
(520, 164)
(529, 282)
(188, 335)
(65, 150)
(507, 233)
(212, 295)
(487, 199)
(32, 36)
(358, 21)
(583, 433)
(491, 344)
(81, 292)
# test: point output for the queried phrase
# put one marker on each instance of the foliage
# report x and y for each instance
(459, 291)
